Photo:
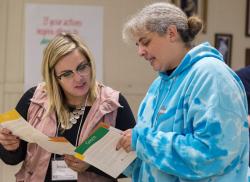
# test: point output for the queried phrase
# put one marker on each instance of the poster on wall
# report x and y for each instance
(45, 21)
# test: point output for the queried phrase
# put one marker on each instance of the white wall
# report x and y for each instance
(123, 69)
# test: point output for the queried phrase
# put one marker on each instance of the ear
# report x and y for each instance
(172, 33)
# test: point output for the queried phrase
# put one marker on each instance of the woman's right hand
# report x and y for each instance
(8, 141)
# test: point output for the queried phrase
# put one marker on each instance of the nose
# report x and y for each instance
(77, 76)
(141, 50)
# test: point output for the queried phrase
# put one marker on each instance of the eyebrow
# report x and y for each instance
(140, 39)
(65, 71)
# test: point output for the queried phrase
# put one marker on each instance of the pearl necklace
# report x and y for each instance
(76, 114)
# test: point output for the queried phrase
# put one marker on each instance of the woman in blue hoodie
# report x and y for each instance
(192, 123)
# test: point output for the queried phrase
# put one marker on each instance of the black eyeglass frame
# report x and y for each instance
(73, 71)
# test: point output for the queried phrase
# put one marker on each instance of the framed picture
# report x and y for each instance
(247, 61)
(248, 18)
(223, 43)
(194, 7)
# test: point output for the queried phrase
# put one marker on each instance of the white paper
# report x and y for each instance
(104, 156)
(25, 131)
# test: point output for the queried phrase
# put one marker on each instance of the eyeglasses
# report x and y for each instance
(82, 69)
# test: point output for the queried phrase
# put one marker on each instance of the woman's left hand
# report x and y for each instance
(75, 164)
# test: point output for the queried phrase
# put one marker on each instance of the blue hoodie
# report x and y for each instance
(192, 125)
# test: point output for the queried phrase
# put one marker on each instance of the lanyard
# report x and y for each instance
(79, 128)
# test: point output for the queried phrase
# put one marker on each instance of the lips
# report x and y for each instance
(151, 60)
(80, 86)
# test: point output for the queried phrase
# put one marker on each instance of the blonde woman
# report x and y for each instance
(70, 103)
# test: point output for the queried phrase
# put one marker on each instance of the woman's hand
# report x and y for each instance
(8, 141)
(75, 164)
(125, 141)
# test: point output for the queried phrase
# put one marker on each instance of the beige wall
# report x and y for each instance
(123, 69)
(228, 16)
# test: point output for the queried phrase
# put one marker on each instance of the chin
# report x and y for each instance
(79, 93)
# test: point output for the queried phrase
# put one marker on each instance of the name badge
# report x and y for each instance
(162, 110)
(60, 171)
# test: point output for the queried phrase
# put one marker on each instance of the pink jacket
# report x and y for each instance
(36, 162)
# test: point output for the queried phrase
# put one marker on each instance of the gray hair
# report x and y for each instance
(158, 17)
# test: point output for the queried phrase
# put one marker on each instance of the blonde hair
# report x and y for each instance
(60, 46)
(157, 18)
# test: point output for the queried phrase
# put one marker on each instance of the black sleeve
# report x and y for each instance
(15, 157)
(125, 118)
(24, 103)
